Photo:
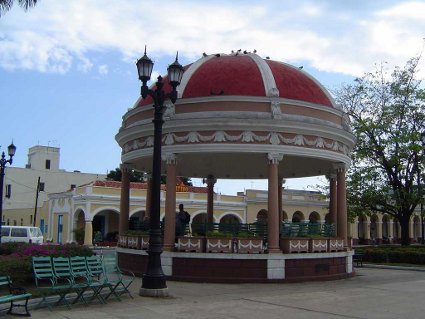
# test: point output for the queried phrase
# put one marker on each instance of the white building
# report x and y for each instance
(21, 185)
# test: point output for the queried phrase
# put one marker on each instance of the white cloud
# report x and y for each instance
(43, 40)
(103, 69)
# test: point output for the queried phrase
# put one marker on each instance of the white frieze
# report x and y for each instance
(170, 111)
(273, 138)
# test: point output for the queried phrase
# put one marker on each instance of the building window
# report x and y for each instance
(8, 190)
(47, 164)
(15, 223)
(8, 221)
(30, 219)
(22, 222)
(41, 189)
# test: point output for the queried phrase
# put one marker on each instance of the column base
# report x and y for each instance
(168, 248)
(274, 251)
(157, 293)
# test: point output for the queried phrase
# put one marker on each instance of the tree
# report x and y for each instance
(6, 5)
(387, 114)
(136, 176)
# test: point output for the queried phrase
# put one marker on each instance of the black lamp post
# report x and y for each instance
(420, 189)
(154, 277)
(11, 149)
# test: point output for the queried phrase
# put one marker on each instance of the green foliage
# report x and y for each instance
(98, 237)
(394, 254)
(134, 176)
(137, 233)
(387, 113)
(218, 234)
(18, 267)
(79, 234)
(247, 234)
(15, 258)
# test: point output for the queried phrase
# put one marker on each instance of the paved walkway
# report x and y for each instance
(372, 293)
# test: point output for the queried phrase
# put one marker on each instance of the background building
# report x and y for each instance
(40, 177)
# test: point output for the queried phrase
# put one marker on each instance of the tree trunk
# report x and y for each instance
(404, 225)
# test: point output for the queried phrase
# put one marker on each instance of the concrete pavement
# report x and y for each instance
(372, 293)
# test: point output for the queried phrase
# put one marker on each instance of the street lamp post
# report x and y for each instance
(420, 190)
(11, 149)
(153, 280)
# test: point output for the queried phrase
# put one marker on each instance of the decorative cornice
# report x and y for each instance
(273, 138)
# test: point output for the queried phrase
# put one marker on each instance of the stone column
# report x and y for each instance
(88, 233)
(170, 204)
(273, 202)
(411, 233)
(333, 217)
(341, 204)
(366, 230)
(279, 196)
(355, 232)
(378, 232)
(390, 231)
(125, 200)
(210, 181)
(148, 197)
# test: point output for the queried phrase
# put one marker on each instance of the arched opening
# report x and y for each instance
(362, 224)
(385, 229)
(396, 230)
(373, 228)
(229, 223)
(284, 216)
(298, 217)
(105, 226)
(79, 227)
(198, 224)
(416, 229)
(262, 216)
(136, 220)
(314, 226)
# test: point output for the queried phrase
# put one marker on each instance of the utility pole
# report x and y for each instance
(36, 202)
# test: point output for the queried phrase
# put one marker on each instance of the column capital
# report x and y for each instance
(274, 158)
(210, 179)
(126, 167)
(340, 166)
(331, 176)
(170, 158)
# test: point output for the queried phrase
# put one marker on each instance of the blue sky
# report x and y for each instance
(67, 68)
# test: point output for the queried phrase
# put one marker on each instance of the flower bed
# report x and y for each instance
(15, 258)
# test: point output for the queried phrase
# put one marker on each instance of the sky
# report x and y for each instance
(68, 74)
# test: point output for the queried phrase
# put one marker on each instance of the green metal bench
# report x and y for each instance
(119, 281)
(14, 294)
(82, 277)
(358, 258)
(48, 283)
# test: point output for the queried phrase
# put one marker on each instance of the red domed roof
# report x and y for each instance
(248, 75)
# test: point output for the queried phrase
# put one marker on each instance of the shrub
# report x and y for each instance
(247, 235)
(19, 268)
(15, 258)
(394, 254)
(219, 234)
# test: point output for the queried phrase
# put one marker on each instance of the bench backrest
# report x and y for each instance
(95, 266)
(62, 268)
(42, 268)
(5, 281)
(79, 267)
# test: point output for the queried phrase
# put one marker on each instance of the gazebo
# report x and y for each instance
(239, 116)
